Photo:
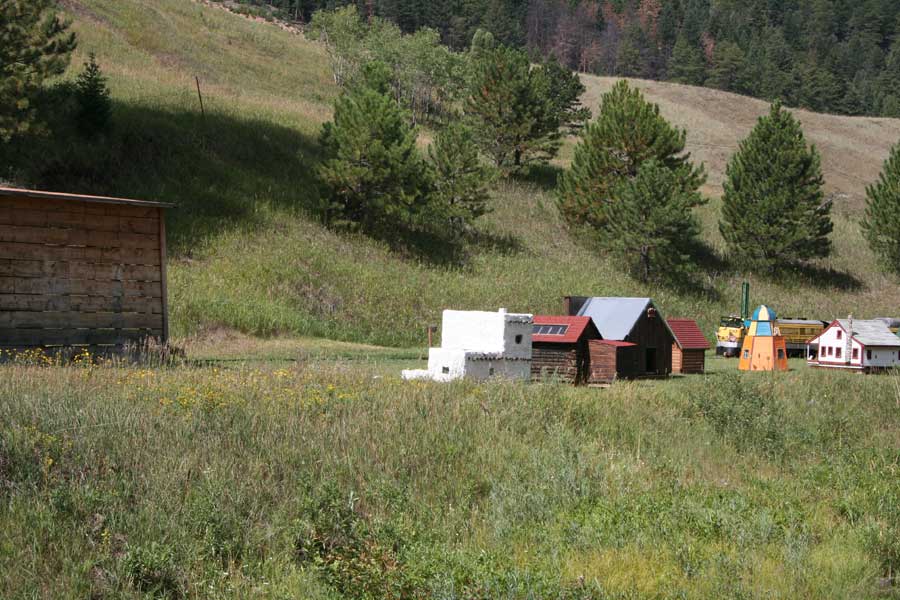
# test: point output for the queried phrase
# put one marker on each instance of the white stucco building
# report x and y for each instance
(852, 344)
(480, 345)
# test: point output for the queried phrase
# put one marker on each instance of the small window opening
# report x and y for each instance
(839, 334)
(838, 353)
(491, 372)
(445, 370)
(855, 353)
(519, 339)
(746, 354)
(780, 354)
(869, 354)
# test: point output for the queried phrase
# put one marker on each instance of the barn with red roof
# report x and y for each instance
(689, 349)
(560, 348)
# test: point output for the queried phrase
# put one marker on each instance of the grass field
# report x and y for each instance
(333, 479)
(283, 457)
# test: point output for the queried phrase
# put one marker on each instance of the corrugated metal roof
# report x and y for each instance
(871, 333)
(688, 335)
(575, 325)
(41, 195)
(615, 317)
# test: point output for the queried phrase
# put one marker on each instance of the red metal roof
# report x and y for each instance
(576, 328)
(688, 335)
(617, 343)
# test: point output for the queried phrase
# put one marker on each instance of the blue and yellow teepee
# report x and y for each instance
(764, 348)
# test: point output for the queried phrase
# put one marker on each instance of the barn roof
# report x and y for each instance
(616, 317)
(570, 329)
(41, 195)
(688, 335)
(868, 333)
(871, 333)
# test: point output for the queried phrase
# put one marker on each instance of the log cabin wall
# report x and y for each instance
(555, 360)
(80, 271)
(693, 362)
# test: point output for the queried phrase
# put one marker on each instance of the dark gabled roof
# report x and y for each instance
(40, 195)
(688, 335)
(576, 327)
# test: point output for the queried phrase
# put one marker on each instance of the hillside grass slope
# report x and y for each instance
(245, 255)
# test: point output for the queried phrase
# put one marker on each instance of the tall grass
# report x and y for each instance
(321, 481)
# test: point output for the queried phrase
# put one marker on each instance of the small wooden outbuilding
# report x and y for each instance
(689, 349)
(559, 348)
(612, 360)
(633, 320)
(82, 271)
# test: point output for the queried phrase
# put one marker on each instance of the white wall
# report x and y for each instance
(829, 339)
(883, 357)
(481, 331)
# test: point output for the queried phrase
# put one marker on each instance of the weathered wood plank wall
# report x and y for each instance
(80, 273)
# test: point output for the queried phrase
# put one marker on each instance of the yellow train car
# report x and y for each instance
(730, 336)
(797, 332)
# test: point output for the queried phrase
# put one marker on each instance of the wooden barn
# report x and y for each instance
(80, 271)
(559, 348)
(689, 349)
(636, 321)
(611, 360)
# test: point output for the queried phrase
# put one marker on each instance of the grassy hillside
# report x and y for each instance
(325, 481)
(245, 255)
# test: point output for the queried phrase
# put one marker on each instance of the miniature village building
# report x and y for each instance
(643, 339)
(764, 348)
(853, 344)
(689, 349)
(480, 345)
(560, 348)
(81, 271)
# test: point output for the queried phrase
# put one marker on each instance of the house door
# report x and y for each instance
(651, 360)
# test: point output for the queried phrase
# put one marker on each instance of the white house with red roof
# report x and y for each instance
(855, 344)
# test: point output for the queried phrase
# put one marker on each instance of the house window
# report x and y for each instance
(518, 339)
(869, 354)
(855, 353)
(830, 351)
(780, 354)
(445, 370)
(491, 372)
(839, 334)
(838, 353)
(746, 354)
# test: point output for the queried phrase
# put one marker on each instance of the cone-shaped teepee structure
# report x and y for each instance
(764, 349)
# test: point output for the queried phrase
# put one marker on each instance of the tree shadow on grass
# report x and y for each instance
(818, 277)
(541, 176)
(220, 170)
(455, 252)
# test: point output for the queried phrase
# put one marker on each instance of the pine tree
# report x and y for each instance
(773, 209)
(564, 91)
(652, 226)
(627, 132)
(374, 177)
(881, 224)
(509, 108)
(687, 64)
(34, 46)
(460, 178)
(94, 104)
(729, 69)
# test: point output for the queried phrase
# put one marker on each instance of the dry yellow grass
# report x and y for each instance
(853, 148)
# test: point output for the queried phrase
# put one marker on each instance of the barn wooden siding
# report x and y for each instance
(652, 333)
(688, 362)
(610, 362)
(80, 271)
(555, 360)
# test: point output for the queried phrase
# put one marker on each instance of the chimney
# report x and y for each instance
(572, 304)
(849, 346)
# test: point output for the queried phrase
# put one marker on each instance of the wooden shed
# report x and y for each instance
(689, 349)
(84, 271)
(611, 360)
(559, 348)
(633, 320)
